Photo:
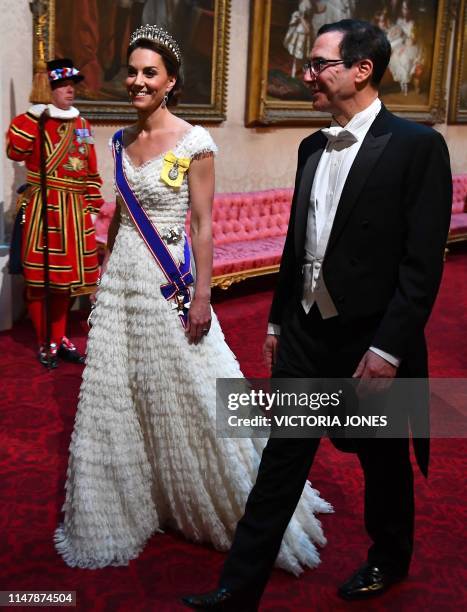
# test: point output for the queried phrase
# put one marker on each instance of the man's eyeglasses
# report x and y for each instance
(318, 65)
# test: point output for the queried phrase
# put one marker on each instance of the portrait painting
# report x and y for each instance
(410, 86)
(95, 34)
(458, 92)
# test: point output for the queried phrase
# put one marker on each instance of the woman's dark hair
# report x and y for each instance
(362, 40)
(170, 62)
(409, 9)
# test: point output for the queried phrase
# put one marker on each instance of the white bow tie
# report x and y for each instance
(339, 134)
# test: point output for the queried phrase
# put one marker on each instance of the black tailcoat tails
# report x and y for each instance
(382, 268)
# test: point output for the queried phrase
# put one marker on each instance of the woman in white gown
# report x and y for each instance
(297, 40)
(144, 453)
(332, 11)
(406, 57)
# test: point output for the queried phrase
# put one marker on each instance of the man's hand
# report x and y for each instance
(375, 374)
(270, 346)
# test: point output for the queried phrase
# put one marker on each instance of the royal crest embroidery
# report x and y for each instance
(75, 164)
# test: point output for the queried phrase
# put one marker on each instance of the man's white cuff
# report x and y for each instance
(395, 361)
(274, 329)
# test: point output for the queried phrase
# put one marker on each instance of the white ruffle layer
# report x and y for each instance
(144, 453)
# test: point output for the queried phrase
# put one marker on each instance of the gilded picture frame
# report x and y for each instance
(94, 33)
(282, 34)
(458, 90)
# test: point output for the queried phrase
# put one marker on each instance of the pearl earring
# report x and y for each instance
(165, 99)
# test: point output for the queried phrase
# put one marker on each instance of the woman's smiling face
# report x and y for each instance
(147, 81)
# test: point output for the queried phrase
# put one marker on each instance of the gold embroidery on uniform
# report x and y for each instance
(75, 164)
(62, 130)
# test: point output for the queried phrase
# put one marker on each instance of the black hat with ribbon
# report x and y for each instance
(63, 69)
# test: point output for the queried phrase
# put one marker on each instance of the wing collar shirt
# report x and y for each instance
(331, 174)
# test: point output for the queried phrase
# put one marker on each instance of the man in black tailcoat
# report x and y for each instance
(360, 271)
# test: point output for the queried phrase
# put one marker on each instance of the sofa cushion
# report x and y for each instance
(459, 193)
(458, 224)
(239, 217)
(247, 255)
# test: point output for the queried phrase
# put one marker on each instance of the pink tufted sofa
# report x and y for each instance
(458, 229)
(249, 233)
(249, 230)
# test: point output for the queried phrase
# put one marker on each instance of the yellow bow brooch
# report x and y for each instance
(174, 169)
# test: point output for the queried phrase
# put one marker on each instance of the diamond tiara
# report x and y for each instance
(159, 36)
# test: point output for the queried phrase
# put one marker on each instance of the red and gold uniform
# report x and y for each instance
(73, 193)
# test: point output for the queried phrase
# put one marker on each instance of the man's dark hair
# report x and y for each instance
(362, 40)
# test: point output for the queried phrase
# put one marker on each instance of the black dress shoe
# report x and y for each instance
(68, 352)
(221, 599)
(368, 581)
(48, 360)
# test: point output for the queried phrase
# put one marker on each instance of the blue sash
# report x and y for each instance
(179, 276)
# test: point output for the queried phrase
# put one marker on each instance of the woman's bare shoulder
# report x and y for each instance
(180, 125)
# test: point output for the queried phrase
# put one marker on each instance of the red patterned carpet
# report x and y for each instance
(37, 411)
